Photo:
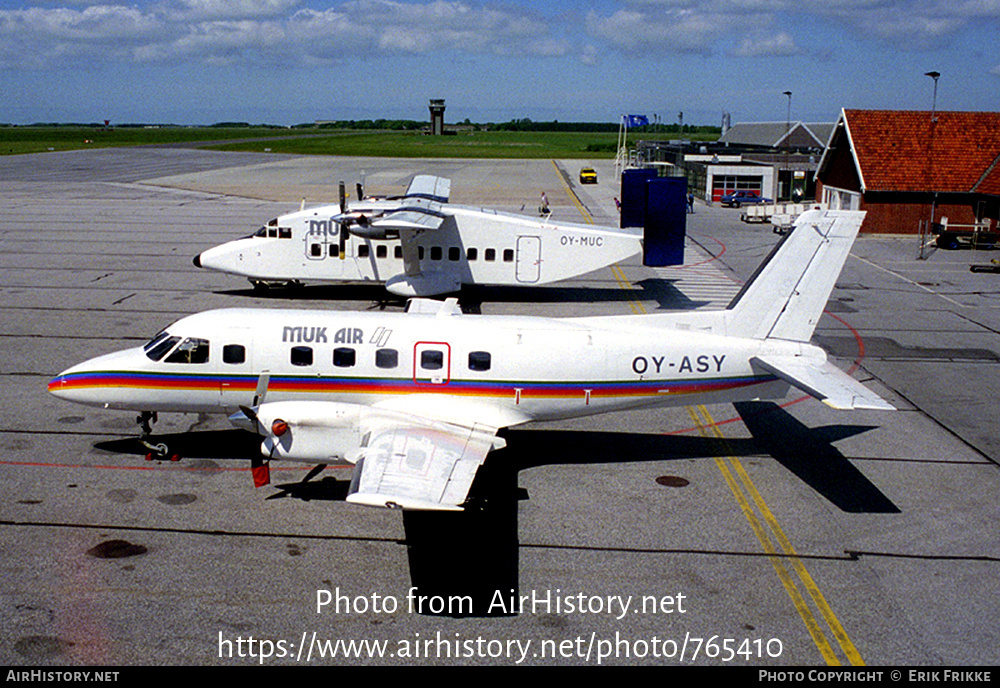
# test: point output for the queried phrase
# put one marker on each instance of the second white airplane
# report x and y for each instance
(419, 244)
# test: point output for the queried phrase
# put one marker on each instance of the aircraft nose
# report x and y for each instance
(197, 261)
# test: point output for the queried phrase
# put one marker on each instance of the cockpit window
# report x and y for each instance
(262, 232)
(160, 336)
(160, 345)
(191, 350)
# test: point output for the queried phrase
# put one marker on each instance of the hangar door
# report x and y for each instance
(727, 184)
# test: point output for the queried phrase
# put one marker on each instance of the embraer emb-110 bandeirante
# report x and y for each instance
(414, 400)
(419, 244)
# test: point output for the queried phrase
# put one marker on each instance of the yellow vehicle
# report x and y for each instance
(588, 175)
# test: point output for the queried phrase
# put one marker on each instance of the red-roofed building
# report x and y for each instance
(907, 167)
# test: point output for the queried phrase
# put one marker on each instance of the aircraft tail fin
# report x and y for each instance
(785, 297)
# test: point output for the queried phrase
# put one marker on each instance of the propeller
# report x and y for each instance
(259, 466)
(344, 226)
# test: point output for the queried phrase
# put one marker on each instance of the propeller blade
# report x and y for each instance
(262, 382)
(344, 231)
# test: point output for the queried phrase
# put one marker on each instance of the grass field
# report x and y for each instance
(493, 144)
(19, 140)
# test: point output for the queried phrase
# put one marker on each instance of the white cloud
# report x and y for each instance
(779, 45)
(226, 30)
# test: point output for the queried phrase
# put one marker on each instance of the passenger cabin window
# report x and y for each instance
(471, 254)
(454, 253)
(363, 250)
(381, 251)
(490, 255)
(160, 345)
(508, 255)
(302, 356)
(435, 253)
(344, 357)
(479, 360)
(191, 350)
(386, 358)
(334, 251)
(316, 250)
(234, 353)
(432, 360)
(397, 252)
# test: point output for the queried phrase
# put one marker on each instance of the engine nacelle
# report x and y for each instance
(311, 431)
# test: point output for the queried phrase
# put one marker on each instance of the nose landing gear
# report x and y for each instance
(158, 451)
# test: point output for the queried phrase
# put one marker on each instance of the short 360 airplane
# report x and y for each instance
(418, 244)
(414, 400)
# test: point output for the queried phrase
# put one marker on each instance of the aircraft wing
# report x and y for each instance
(412, 218)
(426, 466)
(429, 187)
(825, 381)
(411, 459)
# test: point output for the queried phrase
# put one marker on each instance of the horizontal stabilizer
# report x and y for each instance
(825, 381)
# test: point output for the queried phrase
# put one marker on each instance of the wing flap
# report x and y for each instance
(420, 466)
(825, 381)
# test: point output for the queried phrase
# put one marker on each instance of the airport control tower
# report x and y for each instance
(437, 117)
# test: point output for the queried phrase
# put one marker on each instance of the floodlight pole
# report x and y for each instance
(935, 76)
(788, 128)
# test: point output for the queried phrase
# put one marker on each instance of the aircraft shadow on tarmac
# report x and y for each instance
(810, 454)
(473, 555)
(662, 291)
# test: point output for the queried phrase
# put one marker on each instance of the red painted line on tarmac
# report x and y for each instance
(152, 466)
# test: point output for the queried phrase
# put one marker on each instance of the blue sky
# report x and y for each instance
(292, 61)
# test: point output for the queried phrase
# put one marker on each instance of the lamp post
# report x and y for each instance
(788, 127)
(935, 76)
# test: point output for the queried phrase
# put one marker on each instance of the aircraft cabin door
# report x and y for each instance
(529, 259)
(431, 363)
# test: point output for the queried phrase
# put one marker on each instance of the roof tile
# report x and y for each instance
(903, 150)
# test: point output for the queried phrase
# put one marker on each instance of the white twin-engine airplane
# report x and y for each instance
(414, 400)
(418, 244)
